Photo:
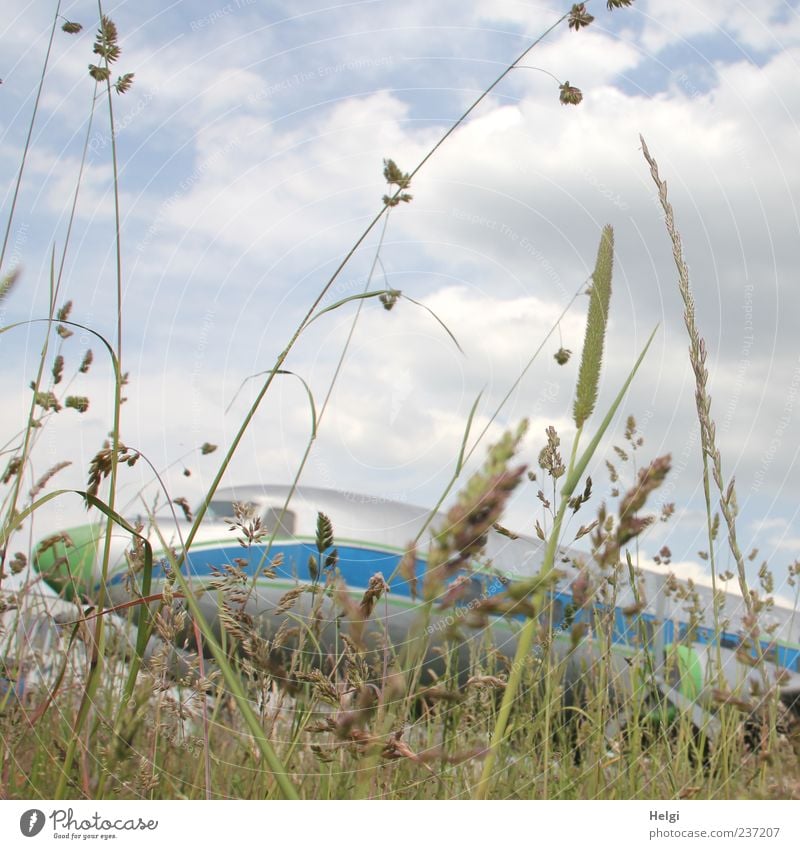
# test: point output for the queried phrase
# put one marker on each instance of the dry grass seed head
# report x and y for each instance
(376, 587)
(562, 356)
(77, 402)
(288, 599)
(185, 507)
(480, 505)
(550, 459)
(45, 478)
(247, 521)
(12, 469)
(46, 400)
(579, 17)
(18, 563)
(395, 177)
(569, 95)
(124, 83)
(100, 465)
(58, 369)
(105, 44)
(7, 282)
(86, 362)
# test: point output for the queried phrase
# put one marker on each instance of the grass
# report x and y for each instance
(257, 714)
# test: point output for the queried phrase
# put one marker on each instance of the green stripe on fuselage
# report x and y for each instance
(71, 568)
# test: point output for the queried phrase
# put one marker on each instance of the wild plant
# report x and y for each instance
(712, 469)
(354, 721)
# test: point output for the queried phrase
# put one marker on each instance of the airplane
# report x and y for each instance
(685, 666)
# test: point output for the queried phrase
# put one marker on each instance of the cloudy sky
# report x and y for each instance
(250, 150)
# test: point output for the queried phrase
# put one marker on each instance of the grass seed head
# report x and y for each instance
(86, 362)
(43, 480)
(7, 282)
(185, 507)
(596, 326)
(579, 17)
(77, 402)
(105, 44)
(569, 95)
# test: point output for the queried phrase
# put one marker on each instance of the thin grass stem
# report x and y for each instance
(27, 145)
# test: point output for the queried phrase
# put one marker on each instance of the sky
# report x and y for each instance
(250, 151)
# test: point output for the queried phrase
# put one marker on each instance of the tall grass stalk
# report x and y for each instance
(27, 144)
(710, 451)
(586, 390)
(105, 46)
(697, 358)
(29, 433)
(528, 631)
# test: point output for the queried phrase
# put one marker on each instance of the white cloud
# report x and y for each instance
(758, 25)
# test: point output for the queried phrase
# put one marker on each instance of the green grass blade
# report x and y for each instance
(361, 296)
(444, 326)
(467, 429)
(314, 417)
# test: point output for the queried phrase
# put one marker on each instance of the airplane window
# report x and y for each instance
(223, 509)
(270, 521)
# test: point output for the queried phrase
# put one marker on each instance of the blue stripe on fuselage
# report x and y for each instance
(356, 565)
